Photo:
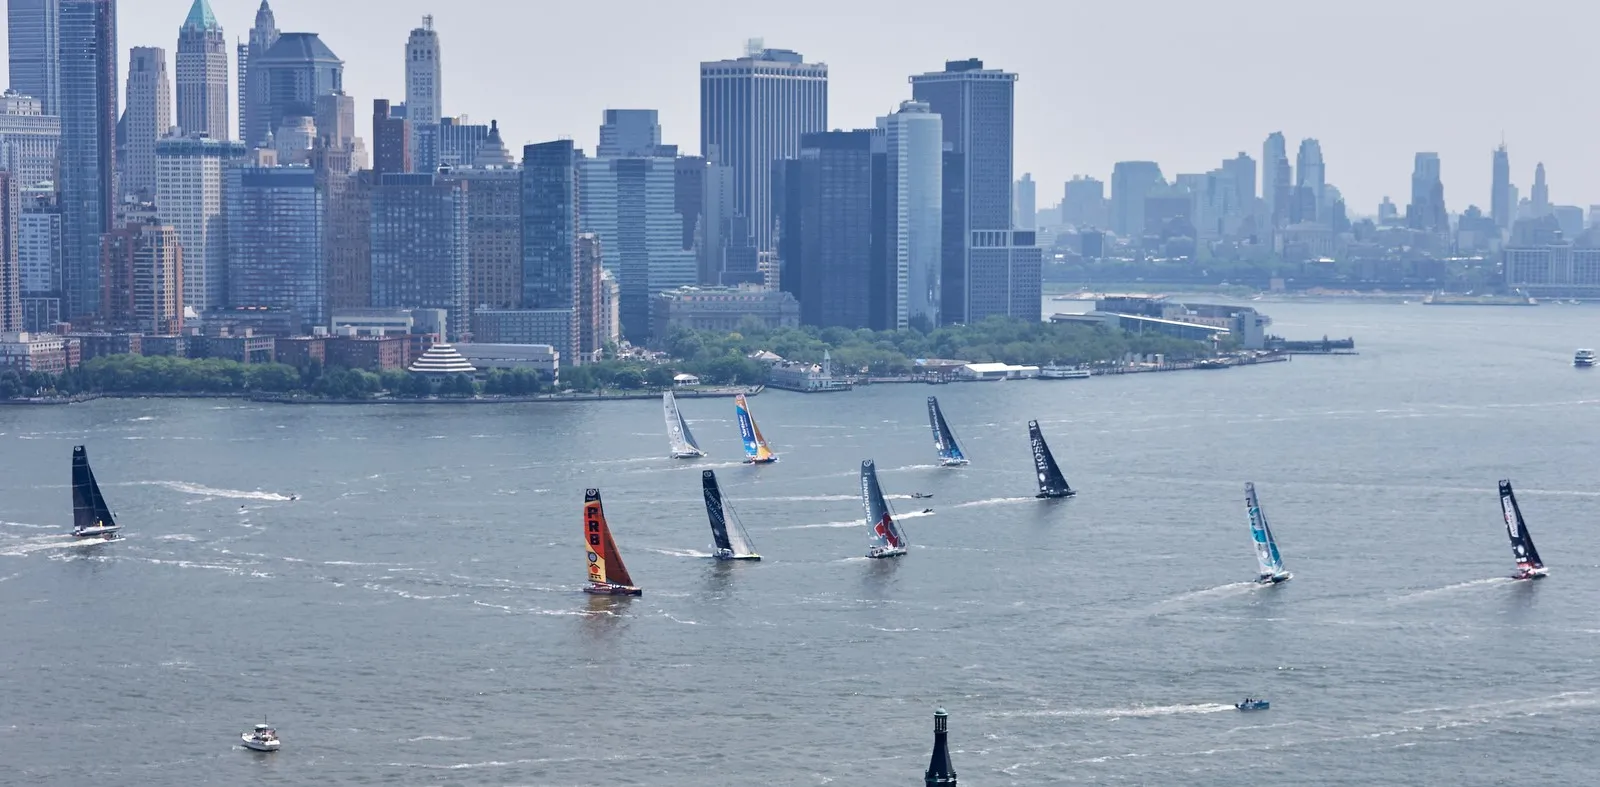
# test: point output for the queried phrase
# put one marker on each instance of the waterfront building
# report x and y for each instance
(141, 278)
(11, 316)
(550, 228)
(275, 234)
(202, 74)
(630, 204)
(254, 124)
(494, 235)
(441, 360)
(524, 326)
(1502, 205)
(291, 75)
(914, 212)
(388, 322)
(190, 196)
(148, 118)
(1550, 266)
(940, 771)
(419, 246)
(34, 51)
(34, 352)
(722, 309)
(424, 75)
(1024, 213)
(391, 140)
(88, 182)
(373, 353)
(806, 377)
(541, 358)
(753, 111)
(1131, 183)
(1427, 211)
(825, 236)
(630, 133)
(29, 139)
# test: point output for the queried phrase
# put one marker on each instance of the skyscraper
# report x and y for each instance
(348, 243)
(141, 268)
(826, 235)
(1242, 169)
(10, 259)
(987, 268)
(253, 123)
(391, 140)
(419, 247)
(275, 255)
(34, 28)
(1277, 182)
(190, 196)
(202, 74)
(1131, 183)
(1025, 209)
(147, 118)
(629, 133)
(292, 75)
(1502, 206)
(424, 75)
(39, 255)
(29, 140)
(631, 204)
(1310, 173)
(1540, 195)
(494, 235)
(753, 111)
(595, 325)
(550, 258)
(1427, 210)
(914, 188)
(88, 179)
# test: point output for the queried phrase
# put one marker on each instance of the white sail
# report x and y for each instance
(683, 444)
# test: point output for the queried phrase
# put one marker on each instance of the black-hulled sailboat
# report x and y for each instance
(607, 575)
(1529, 566)
(733, 543)
(1051, 482)
(91, 517)
(884, 535)
(944, 440)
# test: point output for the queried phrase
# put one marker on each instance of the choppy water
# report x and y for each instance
(415, 618)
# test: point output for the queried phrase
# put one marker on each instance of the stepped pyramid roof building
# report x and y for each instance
(442, 359)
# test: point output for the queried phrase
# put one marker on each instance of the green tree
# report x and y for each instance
(629, 379)
(659, 377)
(10, 384)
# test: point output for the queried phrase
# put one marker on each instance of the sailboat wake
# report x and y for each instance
(1459, 586)
(993, 501)
(678, 552)
(206, 491)
(1131, 712)
(1220, 591)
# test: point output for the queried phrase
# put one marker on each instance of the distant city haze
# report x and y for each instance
(1183, 84)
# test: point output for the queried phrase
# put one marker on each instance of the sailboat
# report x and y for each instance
(91, 517)
(683, 444)
(607, 575)
(886, 537)
(756, 450)
(1529, 566)
(1051, 482)
(733, 543)
(944, 440)
(1267, 557)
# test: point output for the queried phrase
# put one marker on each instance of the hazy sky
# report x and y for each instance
(1183, 83)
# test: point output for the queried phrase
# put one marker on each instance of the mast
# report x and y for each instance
(1051, 482)
(940, 771)
(1522, 547)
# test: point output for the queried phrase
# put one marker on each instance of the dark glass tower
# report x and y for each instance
(35, 40)
(88, 144)
(826, 233)
(940, 771)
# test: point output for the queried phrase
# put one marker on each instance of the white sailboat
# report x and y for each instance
(1268, 561)
(683, 444)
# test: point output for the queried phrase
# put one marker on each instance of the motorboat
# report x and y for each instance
(261, 738)
(921, 495)
(927, 510)
(1583, 359)
(1252, 704)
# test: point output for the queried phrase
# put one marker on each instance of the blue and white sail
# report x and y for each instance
(950, 454)
(1268, 561)
(885, 538)
(683, 444)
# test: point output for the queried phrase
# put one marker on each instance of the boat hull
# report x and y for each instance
(1252, 706)
(613, 590)
(97, 532)
(1531, 575)
(731, 556)
(953, 463)
(886, 553)
(688, 454)
(1055, 495)
(1275, 579)
(257, 745)
(761, 461)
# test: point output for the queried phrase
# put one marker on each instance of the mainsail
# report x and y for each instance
(755, 446)
(605, 562)
(1521, 540)
(726, 529)
(89, 509)
(683, 444)
(884, 534)
(1051, 482)
(1268, 560)
(944, 439)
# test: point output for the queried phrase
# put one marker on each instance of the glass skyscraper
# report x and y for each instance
(34, 37)
(630, 204)
(88, 144)
(420, 254)
(914, 145)
(275, 236)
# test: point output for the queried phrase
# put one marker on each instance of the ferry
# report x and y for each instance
(1583, 359)
(1062, 373)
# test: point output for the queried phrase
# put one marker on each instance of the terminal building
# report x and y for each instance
(1192, 321)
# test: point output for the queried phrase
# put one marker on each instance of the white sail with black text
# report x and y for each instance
(683, 444)
(1268, 562)
(885, 536)
(733, 542)
(950, 453)
(91, 517)
(1529, 566)
(1051, 482)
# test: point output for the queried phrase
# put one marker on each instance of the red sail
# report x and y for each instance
(604, 561)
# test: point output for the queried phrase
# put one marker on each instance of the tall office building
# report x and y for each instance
(290, 76)
(1131, 183)
(1242, 170)
(254, 126)
(1277, 183)
(10, 257)
(88, 181)
(202, 74)
(29, 139)
(148, 117)
(276, 259)
(452, 142)
(190, 196)
(596, 326)
(1502, 205)
(419, 247)
(1083, 203)
(1539, 197)
(914, 188)
(630, 203)
(1427, 210)
(424, 76)
(1025, 203)
(550, 254)
(348, 243)
(391, 140)
(494, 235)
(39, 257)
(825, 232)
(1310, 186)
(629, 133)
(988, 269)
(753, 111)
(720, 238)
(34, 37)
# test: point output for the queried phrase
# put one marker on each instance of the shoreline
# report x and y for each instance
(715, 393)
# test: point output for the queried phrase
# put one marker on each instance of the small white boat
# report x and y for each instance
(262, 738)
(1583, 359)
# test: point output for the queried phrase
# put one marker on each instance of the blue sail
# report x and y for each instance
(944, 440)
(1268, 560)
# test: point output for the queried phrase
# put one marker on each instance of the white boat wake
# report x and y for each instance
(206, 491)
(1130, 712)
(1459, 586)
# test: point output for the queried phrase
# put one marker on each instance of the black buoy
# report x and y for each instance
(940, 771)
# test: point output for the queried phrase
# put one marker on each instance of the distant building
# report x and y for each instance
(375, 353)
(26, 352)
(1427, 211)
(594, 321)
(523, 326)
(1083, 203)
(420, 247)
(275, 218)
(29, 139)
(1502, 205)
(88, 109)
(141, 279)
(254, 123)
(550, 275)
(348, 242)
(34, 51)
(452, 142)
(424, 75)
(1131, 183)
(722, 309)
(1024, 210)
(541, 358)
(190, 196)
(202, 74)
(1545, 264)
(630, 203)
(297, 70)
(630, 133)
(753, 111)
(1311, 175)
(388, 322)
(391, 141)
(914, 217)
(39, 258)
(825, 237)
(1277, 183)
(11, 314)
(494, 235)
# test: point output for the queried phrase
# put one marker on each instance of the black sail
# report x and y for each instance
(1051, 482)
(714, 510)
(89, 508)
(1522, 547)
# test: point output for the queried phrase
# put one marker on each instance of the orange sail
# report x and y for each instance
(606, 571)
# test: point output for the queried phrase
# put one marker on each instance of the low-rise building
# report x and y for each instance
(262, 320)
(302, 351)
(542, 358)
(997, 371)
(372, 353)
(239, 349)
(94, 345)
(389, 322)
(170, 346)
(523, 326)
(807, 377)
(38, 352)
(722, 309)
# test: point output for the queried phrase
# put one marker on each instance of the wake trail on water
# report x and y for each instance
(28, 547)
(1456, 588)
(847, 523)
(1129, 712)
(1220, 591)
(206, 491)
(993, 501)
(678, 552)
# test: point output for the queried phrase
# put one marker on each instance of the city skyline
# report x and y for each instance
(1367, 157)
